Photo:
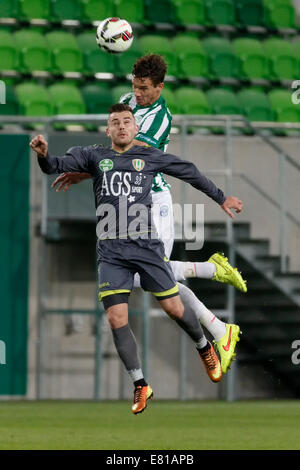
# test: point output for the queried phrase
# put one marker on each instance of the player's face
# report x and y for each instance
(145, 92)
(121, 128)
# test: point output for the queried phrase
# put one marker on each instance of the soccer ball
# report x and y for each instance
(114, 35)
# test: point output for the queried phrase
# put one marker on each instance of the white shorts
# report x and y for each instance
(162, 211)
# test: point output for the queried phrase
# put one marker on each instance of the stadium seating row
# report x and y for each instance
(269, 13)
(30, 99)
(59, 52)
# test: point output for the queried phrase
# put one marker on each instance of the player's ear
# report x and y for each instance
(107, 132)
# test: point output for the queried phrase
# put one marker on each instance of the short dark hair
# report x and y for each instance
(119, 108)
(151, 66)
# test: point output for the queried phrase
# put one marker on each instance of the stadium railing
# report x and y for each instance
(183, 123)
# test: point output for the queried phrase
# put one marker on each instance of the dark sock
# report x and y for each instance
(126, 346)
(206, 348)
(189, 323)
(141, 382)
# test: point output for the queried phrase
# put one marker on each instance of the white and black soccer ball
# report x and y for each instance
(114, 35)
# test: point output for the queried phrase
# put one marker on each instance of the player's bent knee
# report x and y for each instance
(117, 310)
(173, 307)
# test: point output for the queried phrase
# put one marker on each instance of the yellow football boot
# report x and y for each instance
(226, 273)
(226, 346)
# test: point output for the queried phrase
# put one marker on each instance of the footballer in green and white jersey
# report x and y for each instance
(154, 123)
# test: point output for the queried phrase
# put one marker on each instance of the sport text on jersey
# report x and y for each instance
(122, 184)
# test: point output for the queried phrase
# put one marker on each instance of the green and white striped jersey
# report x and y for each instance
(154, 129)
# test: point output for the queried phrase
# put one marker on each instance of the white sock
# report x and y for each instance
(216, 327)
(185, 269)
(178, 270)
(205, 270)
(136, 374)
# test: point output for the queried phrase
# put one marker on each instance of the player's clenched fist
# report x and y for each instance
(39, 145)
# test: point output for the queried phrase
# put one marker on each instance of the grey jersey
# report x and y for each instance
(122, 184)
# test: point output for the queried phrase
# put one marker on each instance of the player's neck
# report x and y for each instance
(121, 149)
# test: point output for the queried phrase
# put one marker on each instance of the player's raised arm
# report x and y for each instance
(75, 160)
(188, 172)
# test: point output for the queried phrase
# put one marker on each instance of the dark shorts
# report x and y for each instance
(120, 259)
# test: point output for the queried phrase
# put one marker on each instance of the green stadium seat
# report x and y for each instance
(284, 109)
(280, 14)
(191, 57)
(250, 12)
(119, 91)
(296, 47)
(152, 44)
(97, 99)
(191, 101)
(253, 61)
(63, 10)
(8, 9)
(11, 106)
(222, 60)
(282, 59)
(131, 10)
(8, 52)
(34, 9)
(67, 57)
(95, 10)
(223, 101)
(66, 99)
(255, 105)
(95, 60)
(33, 51)
(159, 11)
(125, 61)
(220, 12)
(191, 12)
(34, 100)
(170, 98)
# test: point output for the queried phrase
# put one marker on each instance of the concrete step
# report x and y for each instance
(272, 333)
(268, 263)
(289, 281)
(218, 230)
(258, 317)
(268, 300)
(252, 248)
(296, 297)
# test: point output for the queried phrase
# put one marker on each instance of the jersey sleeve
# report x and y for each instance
(155, 129)
(77, 159)
(126, 98)
(188, 172)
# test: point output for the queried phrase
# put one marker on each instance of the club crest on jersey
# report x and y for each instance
(106, 165)
(138, 164)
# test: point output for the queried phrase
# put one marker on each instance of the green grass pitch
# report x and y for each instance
(165, 425)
